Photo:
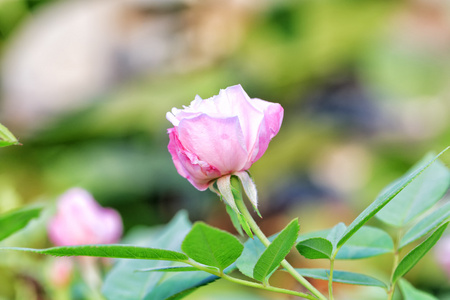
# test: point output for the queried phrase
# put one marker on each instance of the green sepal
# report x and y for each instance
(237, 194)
(235, 220)
(249, 188)
(245, 226)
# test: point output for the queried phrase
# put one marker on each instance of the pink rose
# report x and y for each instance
(222, 135)
(81, 220)
(61, 271)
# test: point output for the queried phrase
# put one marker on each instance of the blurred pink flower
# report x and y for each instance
(443, 254)
(61, 271)
(81, 220)
(222, 135)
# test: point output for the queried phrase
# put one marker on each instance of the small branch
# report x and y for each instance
(249, 283)
(394, 266)
(330, 279)
(255, 228)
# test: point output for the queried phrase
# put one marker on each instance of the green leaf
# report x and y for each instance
(179, 285)
(421, 194)
(249, 186)
(211, 246)
(336, 233)
(253, 249)
(124, 283)
(342, 277)
(6, 137)
(112, 251)
(315, 248)
(314, 234)
(12, 222)
(413, 257)
(366, 242)
(382, 200)
(173, 269)
(427, 224)
(409, 292)
(170, 269)
(277, 251)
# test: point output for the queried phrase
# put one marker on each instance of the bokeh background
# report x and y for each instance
(85, 86)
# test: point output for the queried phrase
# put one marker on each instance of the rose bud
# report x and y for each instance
(224, 135)
(81, 220)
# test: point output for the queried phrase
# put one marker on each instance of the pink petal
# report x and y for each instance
(250, 117)
(81, 220)
(273, 117)
(111, 226)
(198, 172)
(219, 142)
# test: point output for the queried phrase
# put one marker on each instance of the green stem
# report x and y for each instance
(249, 283)
(255, 228)
(268, 288)
(394, 266)
(392, 285)
(330, 279)
(91, 275)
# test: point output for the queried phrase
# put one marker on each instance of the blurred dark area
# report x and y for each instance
(85, 86)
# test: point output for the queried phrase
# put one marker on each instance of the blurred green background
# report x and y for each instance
(85, 86)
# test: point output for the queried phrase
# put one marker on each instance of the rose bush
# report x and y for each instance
(81, 220)
(213, 143)
(221, 135)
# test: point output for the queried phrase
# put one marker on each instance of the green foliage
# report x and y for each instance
(315, 248)
(413, 257)
(342, 277)
(336, 233)
(253, 249)
(239, 222)
(12, 222)
(366, 242)
(173, 269)
(277, 251)
(124, 283)
(234, 217)
(426, 225)
(6, 137)
(419, 195)
(386, 196)
(112, 251)
(245, 226)
(313, 234)
(411, 293)
(179, 285)
(211, 246)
